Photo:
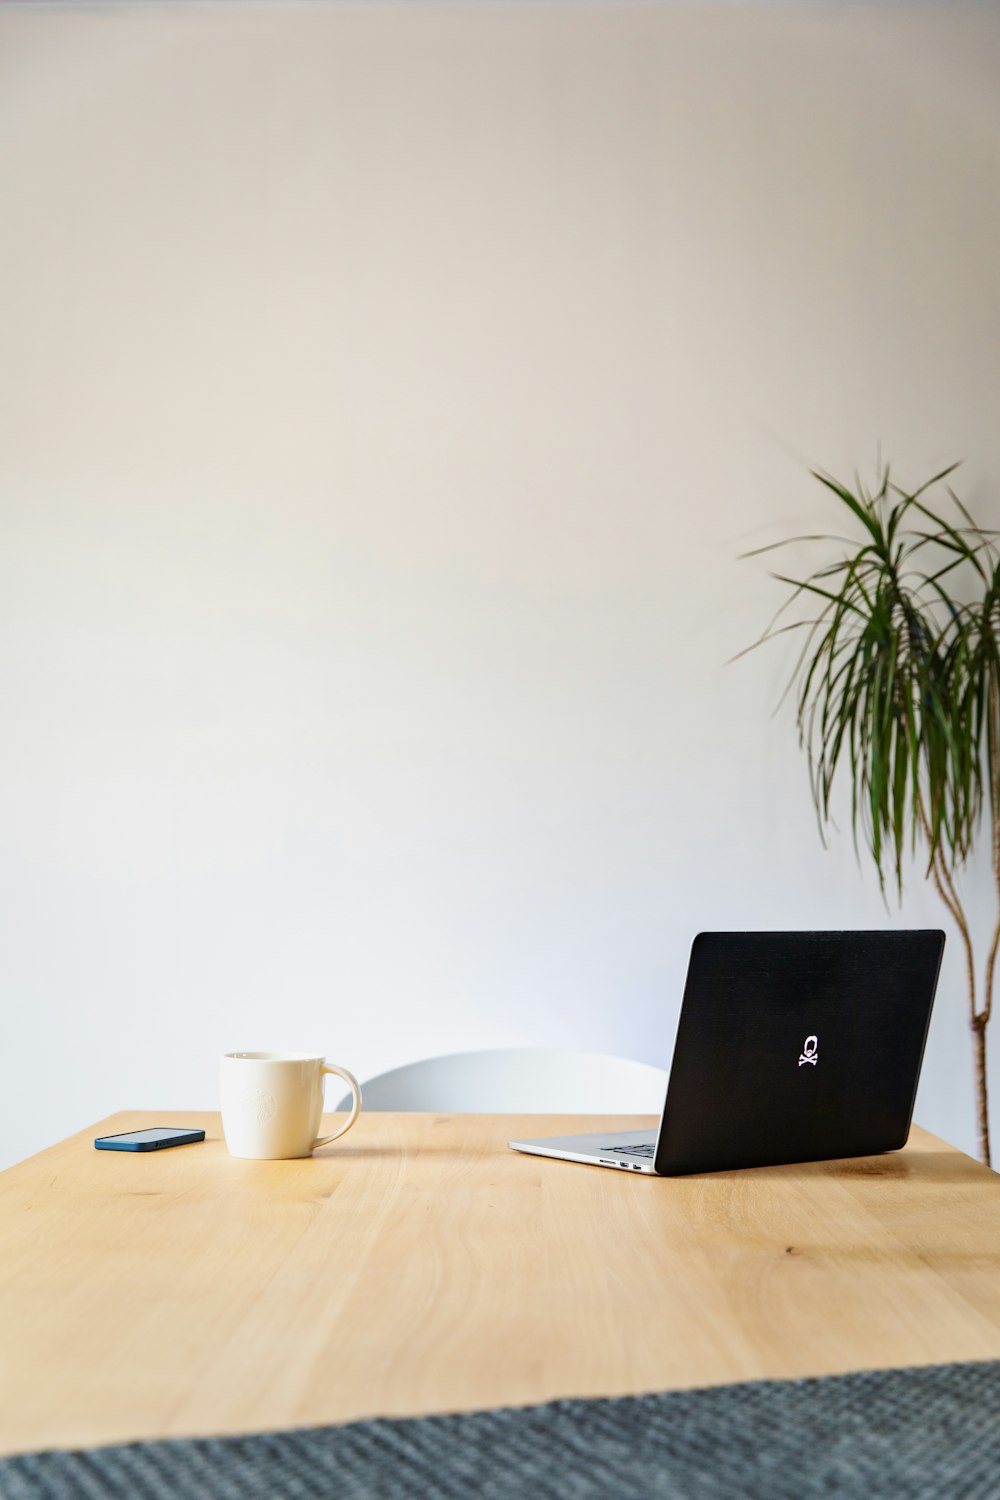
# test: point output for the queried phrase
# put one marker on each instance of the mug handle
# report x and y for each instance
(349, 1078)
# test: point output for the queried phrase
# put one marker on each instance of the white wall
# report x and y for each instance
(386, 393)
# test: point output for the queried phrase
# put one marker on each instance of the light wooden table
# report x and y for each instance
(420, 1266)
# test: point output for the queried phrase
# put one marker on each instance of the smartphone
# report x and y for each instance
(157, 1138)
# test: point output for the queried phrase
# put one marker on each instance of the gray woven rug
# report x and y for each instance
(906, 1434)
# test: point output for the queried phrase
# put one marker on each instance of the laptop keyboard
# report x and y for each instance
(647, 1149)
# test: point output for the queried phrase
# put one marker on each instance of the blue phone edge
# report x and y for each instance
(188, 1136)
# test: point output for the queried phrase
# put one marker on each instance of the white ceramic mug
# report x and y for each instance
(272, 1103)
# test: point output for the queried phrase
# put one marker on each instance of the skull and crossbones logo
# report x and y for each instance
(810, 1050)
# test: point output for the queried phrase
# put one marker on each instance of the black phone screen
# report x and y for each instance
(158, 1133)
(154, 1138)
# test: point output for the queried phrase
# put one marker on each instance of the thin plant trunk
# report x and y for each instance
(978, 1017)
(982, 1092)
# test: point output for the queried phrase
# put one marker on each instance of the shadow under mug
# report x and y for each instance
(272, 1104)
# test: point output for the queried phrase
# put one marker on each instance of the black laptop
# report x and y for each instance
(791, 1046)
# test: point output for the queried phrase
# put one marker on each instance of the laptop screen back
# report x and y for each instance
(797, 1046)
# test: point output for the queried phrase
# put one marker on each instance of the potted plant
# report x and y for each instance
(897, 691)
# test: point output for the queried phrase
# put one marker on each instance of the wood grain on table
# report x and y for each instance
(420, 1266)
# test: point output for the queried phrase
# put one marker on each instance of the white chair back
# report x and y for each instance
(520, 1080)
